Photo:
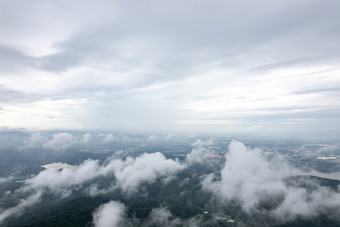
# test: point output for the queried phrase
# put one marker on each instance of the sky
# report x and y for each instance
(249, 180)
(261, 67)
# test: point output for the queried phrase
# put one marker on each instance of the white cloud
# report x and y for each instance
(60, 141)
(153, 138)
(170, 137)
(86, 138)
(301, 202)
(130, 173)
(4, 180)
(160, 215)
(109, 138)
(145, 168)
(55, 180)
(199, 151)
(36, 139)
(18, 209)
(248, 177)
(163, 217)
(109, 214)
(251, 178)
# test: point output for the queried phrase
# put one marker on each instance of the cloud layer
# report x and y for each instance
(217, 66)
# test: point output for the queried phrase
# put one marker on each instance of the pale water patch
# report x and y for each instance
(58, 165)
(326, 158)
(333, 175)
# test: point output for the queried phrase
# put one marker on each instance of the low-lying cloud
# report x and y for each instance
(199, 151)
(251, 179)
(60, 141)
(4, 180)
(109, 214)
(129, 174)
(146, 168)
(86, 138)
(161, 216)
(109, 138)
(21, 206)
(36, 139)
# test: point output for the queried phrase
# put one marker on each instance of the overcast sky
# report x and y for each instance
(203, 65)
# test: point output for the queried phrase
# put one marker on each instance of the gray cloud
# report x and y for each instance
(124, 62)
(9, 95)
(13, 60)
(58, 62)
